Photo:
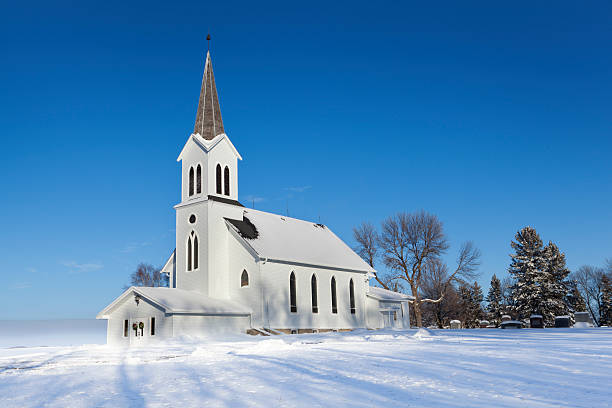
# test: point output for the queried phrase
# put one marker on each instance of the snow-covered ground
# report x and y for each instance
(412, 368)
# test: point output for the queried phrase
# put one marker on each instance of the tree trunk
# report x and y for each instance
(417, 306)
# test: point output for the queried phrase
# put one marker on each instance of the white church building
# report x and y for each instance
(236, 269)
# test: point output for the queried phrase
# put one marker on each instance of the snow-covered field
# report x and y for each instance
(412, 368)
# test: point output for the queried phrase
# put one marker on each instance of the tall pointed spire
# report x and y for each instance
(208, 118)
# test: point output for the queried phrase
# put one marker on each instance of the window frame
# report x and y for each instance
(242, 280)
(292, 292)
(334, 296)
(314, 293)
(193, 251)
(219, 179)
(352, 296)
(191, 189)
(189, 254)
(199, 179)
(226, 181)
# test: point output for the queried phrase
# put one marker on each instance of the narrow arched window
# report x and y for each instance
(313, 294)
(226, 181)
(195, 252)
(244, 278)
(189, 252)
(333, 294)
(292, 293)
(352, 296)
(190, 181)
(199, 179)
(219, 179)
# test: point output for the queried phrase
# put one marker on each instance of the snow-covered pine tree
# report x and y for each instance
(476, 306)
(528, 268)
(465, 296)
(554, 285)
(605, 310)
(494, 299)
(575, 300)
(471, 299)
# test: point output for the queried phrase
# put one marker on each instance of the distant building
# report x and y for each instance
(242, 270)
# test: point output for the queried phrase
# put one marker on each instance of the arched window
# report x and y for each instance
(199, 179)
(189, 252)
(313, 290)
(218, 179)
(190, 181)
(352, 296)
(244, 278)
(226, 181)
(292, 293)
(195, 252)
(333, 293)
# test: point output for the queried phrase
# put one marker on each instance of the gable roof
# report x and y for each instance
(208, 145)
(179, 301)
(388, 295)
(277, 238)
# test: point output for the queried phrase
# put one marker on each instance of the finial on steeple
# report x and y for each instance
(208, 39)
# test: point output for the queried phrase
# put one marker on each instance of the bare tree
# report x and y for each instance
(434, 286)
(588, 280)
(147, 275)
(367, 240)
(410, 241)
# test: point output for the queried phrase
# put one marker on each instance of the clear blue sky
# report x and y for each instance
(492, 116)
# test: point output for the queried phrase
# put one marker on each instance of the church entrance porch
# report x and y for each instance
(390, 318)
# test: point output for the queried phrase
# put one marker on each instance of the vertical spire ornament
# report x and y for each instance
(208, 117)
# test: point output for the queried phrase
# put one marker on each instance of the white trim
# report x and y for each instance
(317, 291)
(105, 313)
(191, 233)
(208, 145)
(228, 181)
(191, 193)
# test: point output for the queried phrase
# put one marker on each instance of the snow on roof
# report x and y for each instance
(180, 301)
(384, 294)
(278, 238)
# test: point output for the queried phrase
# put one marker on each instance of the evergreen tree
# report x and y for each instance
(528, 269)
(605, 310)
(471, 299)
(577, 303)
(494, 299)
(554, 285)
(476, 312)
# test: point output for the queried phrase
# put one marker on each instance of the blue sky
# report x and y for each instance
(491, 116)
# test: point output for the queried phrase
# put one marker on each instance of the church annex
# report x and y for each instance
(240, 270)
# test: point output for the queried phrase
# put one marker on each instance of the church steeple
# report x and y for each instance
(208, 118)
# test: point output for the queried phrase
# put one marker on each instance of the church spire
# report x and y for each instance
(208, 118)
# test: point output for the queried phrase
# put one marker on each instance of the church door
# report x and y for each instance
(137, 330)
(387, 319)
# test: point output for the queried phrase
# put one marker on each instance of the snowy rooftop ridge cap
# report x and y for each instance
(208, 117)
